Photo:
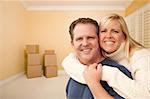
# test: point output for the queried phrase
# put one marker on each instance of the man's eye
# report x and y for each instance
(78, 39)
(90, 37)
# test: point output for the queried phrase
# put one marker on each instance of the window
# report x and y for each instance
(139, 25)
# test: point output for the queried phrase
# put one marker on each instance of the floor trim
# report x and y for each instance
(5, 81)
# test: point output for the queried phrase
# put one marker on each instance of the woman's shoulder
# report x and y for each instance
(144, 52)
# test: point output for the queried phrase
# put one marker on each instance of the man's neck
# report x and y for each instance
(94, 60)
(98, 59)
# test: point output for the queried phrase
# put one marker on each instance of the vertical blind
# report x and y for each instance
(147, 28)
(139, 25)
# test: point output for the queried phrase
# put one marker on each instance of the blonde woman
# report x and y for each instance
(117, 44)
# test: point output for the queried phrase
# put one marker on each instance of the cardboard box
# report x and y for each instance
(33, 59)
(50, 71)
(49, 52)
(32, 49)
(34, 71)
(50, 59)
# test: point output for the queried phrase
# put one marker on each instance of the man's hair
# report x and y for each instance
(83, 21)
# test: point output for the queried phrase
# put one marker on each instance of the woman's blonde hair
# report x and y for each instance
(130, 43)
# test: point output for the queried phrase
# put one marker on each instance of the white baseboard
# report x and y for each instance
(5, 81)
(8, 80)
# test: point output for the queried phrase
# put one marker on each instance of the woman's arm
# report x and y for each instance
(74, 68)
(139, 87)
(136, 88)
(92, 75)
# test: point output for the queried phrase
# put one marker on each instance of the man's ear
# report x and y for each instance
(72, 44)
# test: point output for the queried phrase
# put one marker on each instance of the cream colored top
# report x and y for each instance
(139, 65)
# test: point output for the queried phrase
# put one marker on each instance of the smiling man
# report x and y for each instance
(84, 34)
(85, 42)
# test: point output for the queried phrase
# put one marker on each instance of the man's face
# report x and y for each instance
(85, 43)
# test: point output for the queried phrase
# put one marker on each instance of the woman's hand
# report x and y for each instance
(93, 73)
(92, 76)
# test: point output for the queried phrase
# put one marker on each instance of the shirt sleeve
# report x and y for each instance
(139, 87)
(74, 68)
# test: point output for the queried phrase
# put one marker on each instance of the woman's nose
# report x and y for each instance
(108, 34)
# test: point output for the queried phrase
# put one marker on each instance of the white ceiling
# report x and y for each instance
(47, 5)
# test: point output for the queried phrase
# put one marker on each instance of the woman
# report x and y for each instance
(118, 45)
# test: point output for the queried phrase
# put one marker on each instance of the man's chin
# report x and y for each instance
(85, 59)
(85, 56)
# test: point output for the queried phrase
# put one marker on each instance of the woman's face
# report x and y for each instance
(111, 36)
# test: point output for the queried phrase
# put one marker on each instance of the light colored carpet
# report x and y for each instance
(36, 88)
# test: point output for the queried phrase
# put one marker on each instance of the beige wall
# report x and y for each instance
(13, 25)
(1, 37)
(48, 29)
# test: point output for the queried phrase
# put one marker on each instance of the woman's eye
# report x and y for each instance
(116, 31)
(102, 31)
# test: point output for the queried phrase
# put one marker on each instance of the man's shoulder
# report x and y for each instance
(109, 61)
(114, 64)
(77, 90)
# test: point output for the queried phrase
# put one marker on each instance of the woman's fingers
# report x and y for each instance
(92, 73)
(93, 66)
(99, 67)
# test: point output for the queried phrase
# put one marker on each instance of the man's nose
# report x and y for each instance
(85, 42)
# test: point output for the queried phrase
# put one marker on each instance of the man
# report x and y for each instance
(84, 40)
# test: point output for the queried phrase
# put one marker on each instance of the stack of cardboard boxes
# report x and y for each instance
(50, 63)
(34, 66)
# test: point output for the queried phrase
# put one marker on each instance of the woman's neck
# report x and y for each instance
(118, 54)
